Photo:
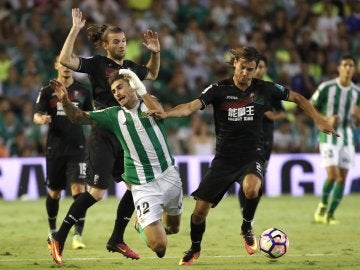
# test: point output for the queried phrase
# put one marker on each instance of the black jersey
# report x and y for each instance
(99, 69)
(238, 115)
(64, 138)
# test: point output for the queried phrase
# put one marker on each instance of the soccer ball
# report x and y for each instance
(273, 243)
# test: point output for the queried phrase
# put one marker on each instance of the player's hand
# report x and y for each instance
(78, 22)
(324, 126)
(134, 81)
(151, 41)
(60, 90)
(45, 119)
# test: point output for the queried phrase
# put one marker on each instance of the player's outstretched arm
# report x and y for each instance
(181, 110)
(67, 58)
(73, 113)
(321, 122)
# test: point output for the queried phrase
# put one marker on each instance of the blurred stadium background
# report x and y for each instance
(302, 40)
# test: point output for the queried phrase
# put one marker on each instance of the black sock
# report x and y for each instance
(79, 226)
(52, 209)
(123, 215)
(196, 234)
(241, 197)
(76, 210)
(249, 212)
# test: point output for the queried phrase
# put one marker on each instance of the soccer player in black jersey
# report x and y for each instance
(274, 112)
(105, 159)
(65, 146)
(239, 104)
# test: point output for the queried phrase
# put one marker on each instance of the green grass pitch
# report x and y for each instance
(23, 230)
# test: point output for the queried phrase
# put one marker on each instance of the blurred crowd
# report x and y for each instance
(302, 41)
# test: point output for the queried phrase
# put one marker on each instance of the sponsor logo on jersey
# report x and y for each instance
(231, 97)
(60, 108)
(241, 114)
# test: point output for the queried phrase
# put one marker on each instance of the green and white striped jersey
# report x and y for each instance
(143, 138)
(333, 99)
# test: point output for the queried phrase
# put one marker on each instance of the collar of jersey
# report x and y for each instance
(133, 110)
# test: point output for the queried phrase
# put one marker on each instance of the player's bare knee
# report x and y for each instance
(173, 229)
(96, 193)
(198, 217)
(251, 193)
(158, 246)
(161, 253)
(55, 194)
(77, 189)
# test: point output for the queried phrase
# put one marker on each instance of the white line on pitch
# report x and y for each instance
(152, 258)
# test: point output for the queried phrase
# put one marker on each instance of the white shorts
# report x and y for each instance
(333, 155)
(164, 194)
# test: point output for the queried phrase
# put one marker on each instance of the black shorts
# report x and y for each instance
(62, 169)
(105, 158)
(222, 174)
(267, 149)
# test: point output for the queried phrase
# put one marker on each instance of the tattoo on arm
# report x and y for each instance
(76, 115)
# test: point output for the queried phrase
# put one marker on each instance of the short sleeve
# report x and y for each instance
(207, 96)
(280, 92)
(88, 65)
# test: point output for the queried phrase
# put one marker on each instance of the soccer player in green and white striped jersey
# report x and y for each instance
(149, 166)
(339, 101)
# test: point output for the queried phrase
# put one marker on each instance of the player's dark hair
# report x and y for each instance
(98, 33)
(245, 52)
(116, 76)
(263, 58)
(347, 57)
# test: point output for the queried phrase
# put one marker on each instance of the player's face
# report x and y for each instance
(115, 45)
(244, 71)
(346, 69)
(260, 70)
(124, 94)
(62, 70)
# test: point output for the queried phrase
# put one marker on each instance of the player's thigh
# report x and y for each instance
(76, 169)
(347, 157)
(148, 201)
(56, 173)
(170, 186)
(118, 167)
(329, 154)
(253, 178)
(216, 182)
(100, 162)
